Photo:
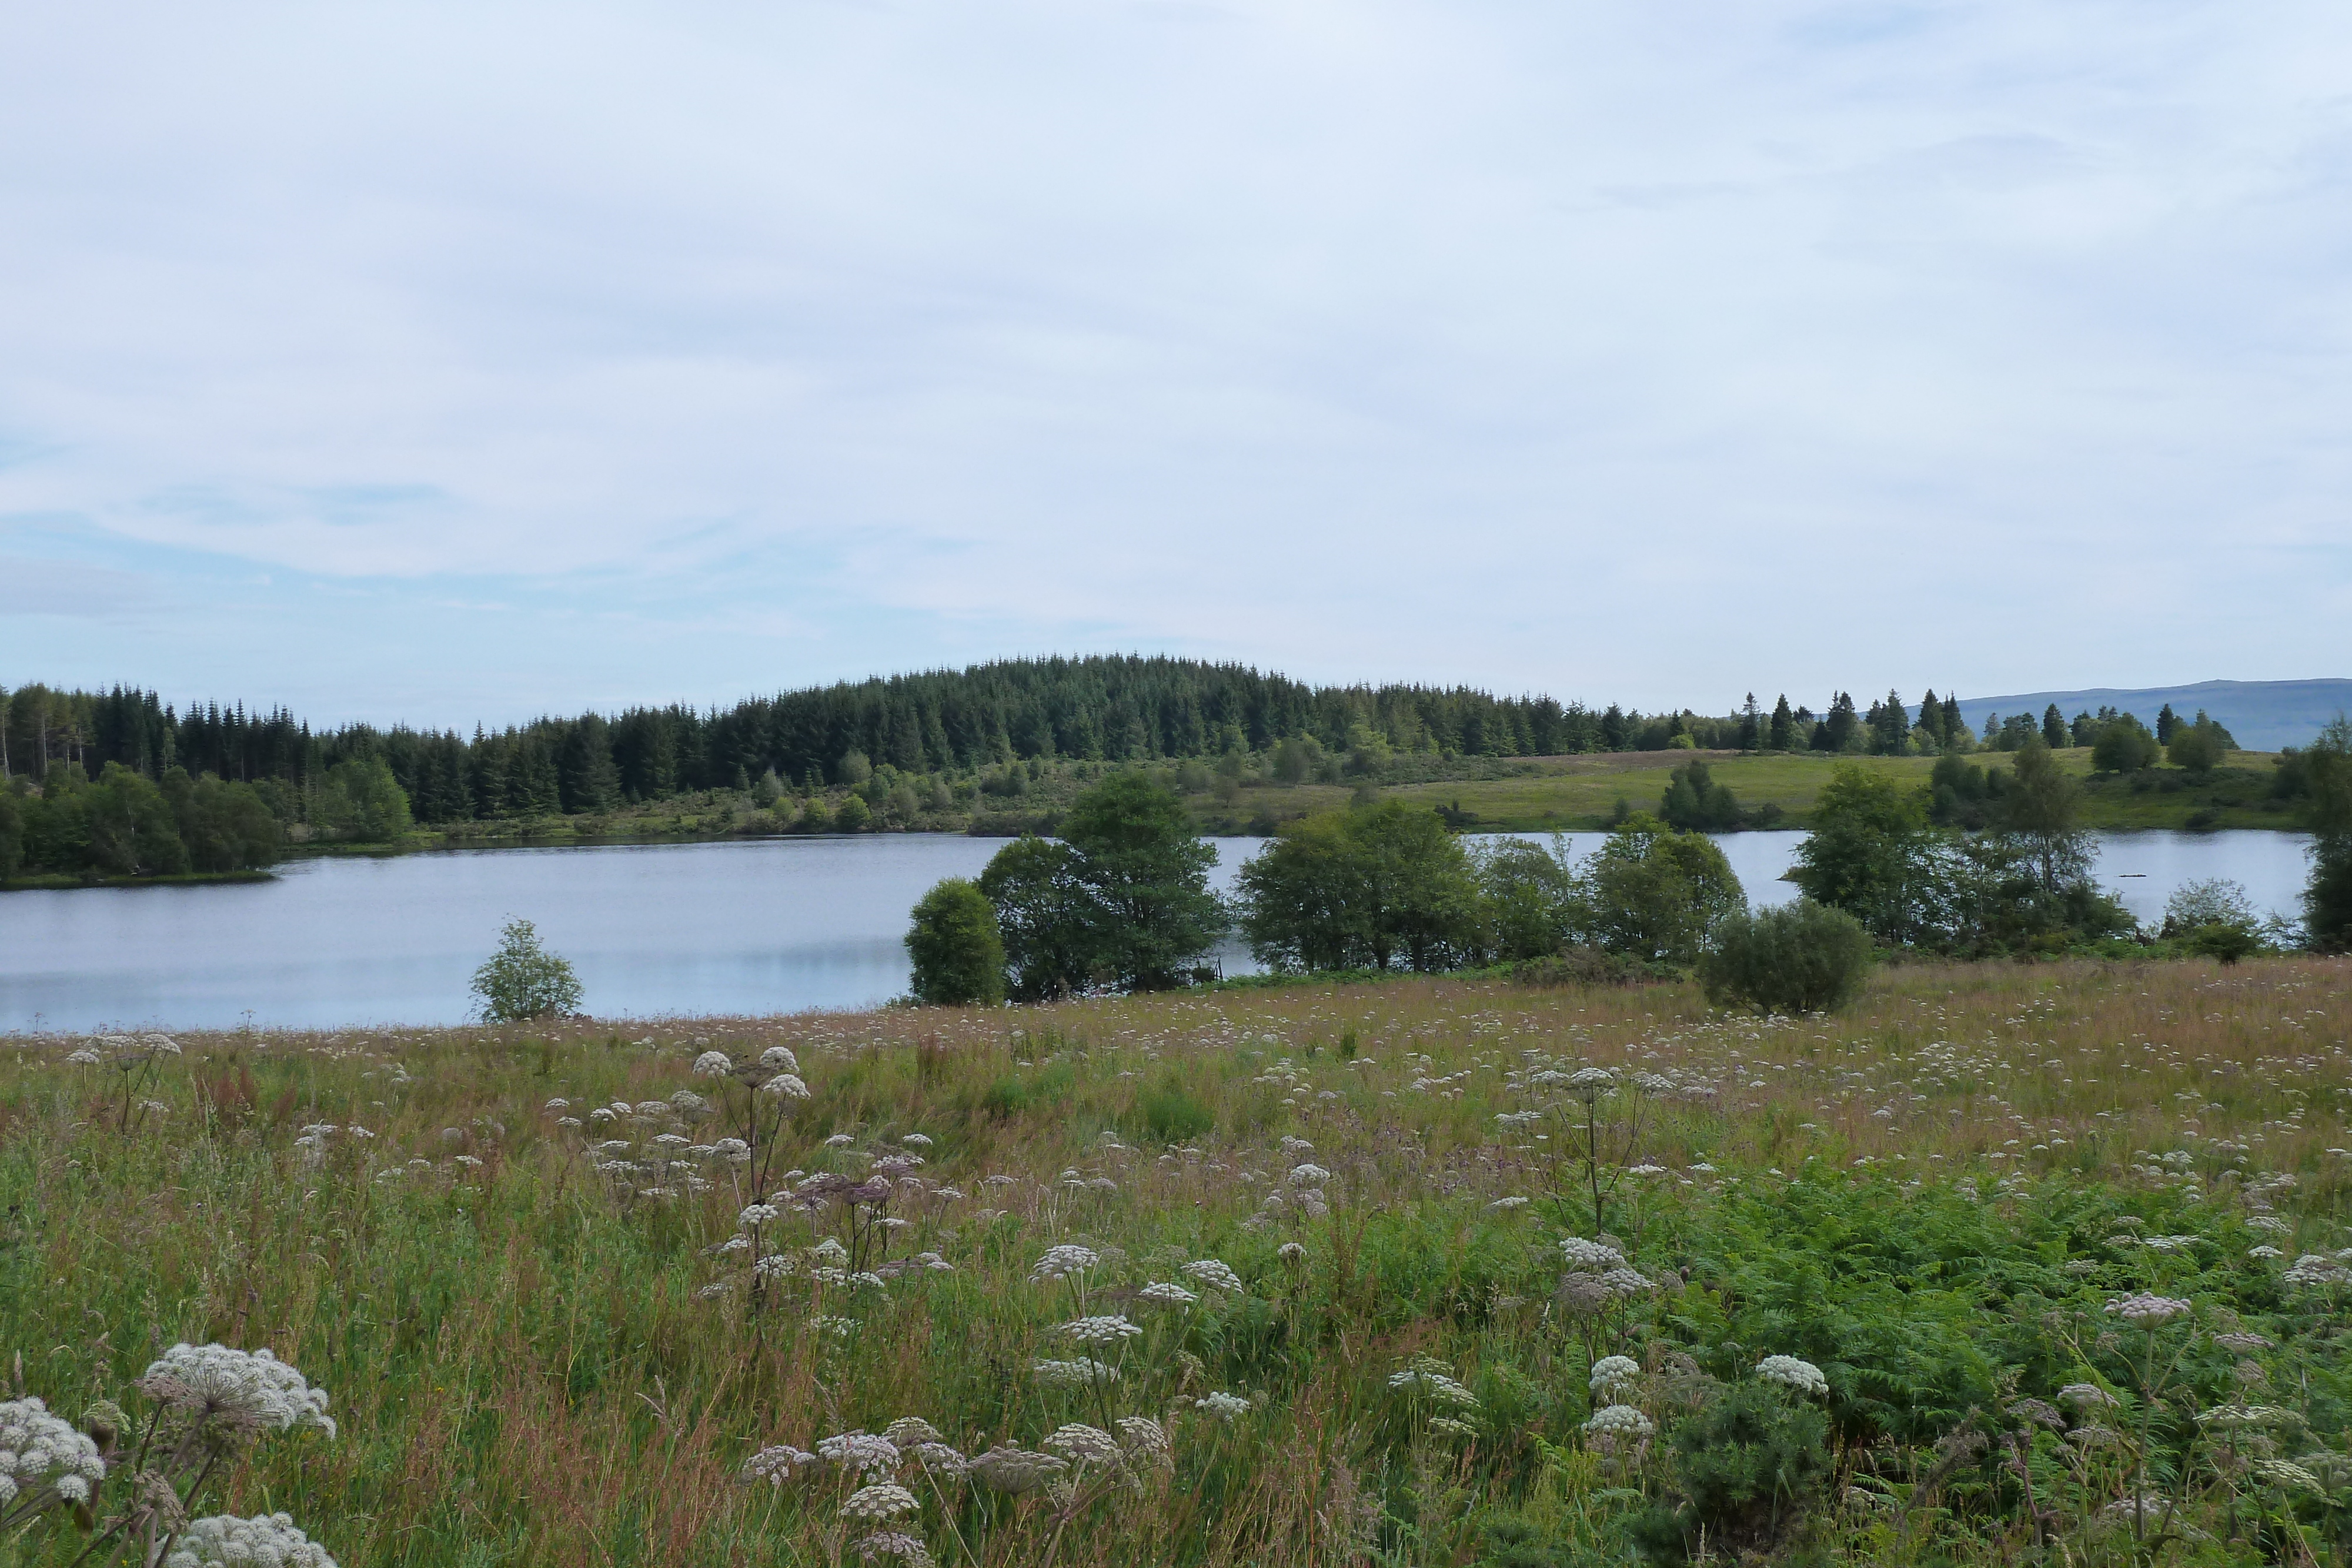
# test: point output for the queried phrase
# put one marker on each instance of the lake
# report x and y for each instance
(756, 926)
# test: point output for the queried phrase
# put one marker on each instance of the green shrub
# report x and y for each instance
(1747, 1471)
(1801, 957)
(958, 953)
(523, 980)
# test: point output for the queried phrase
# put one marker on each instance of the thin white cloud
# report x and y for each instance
(1623, 352)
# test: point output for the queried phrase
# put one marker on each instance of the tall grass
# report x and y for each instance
(1932, 1197)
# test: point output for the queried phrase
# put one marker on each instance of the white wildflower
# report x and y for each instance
(1011, 1469)
(883, 1500)
(861, 1451)
(264, 1541)
(757, 1214)
(777, 1464)
(1291, 1252)
(247, 1390)
(1614, 1372)
(1108, 1329)
(1223, 1406)
(1619, 1421)
(908, 1431)
(1583, 1254)
(1167, 1295)
(2147, 1311)
(1144, 1438)
(1083, 1445)
(713, 1065)
(2287, 1474)
(1309, 1175)
(2086, 1396)
(1215, 1275)
(1061, 1262)
(786, 1085)
(780, 1058)
(1080, 1373)
(907, 1549)
(1790, 1372)
(2314, 1269)
(39, 1449)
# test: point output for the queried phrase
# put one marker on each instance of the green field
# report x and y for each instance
(541, 1344)
(1561, 793)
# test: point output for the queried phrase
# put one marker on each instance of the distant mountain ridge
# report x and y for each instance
(2264, 715)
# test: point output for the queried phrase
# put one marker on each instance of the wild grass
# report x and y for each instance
(1932, 1197)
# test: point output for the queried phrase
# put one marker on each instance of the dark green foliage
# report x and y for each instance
(360, 800)
(1798, 958)
(1655, 893)
(2326, 782)
(523, 980)
(225, 826)
(12, 832)
(1371, 887)
(1528, 897)
(2056, 733)
(2123, 746)
(1146, 877)
(1045, 918)
(1122, 902)
(1872, 854)
(1747, 1469)
(2199, 747)
(957, 953)
(854, 815)
(1693, 800)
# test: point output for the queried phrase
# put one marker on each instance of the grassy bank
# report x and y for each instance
(541, 1351)
(1542, 794)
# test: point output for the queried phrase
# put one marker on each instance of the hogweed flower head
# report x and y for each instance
(1223, 1406)
(1614, 1372)
(39, 1449)
(1619, 1421)
(1309, 1175)
(1145, 1438)
(908, 1431)
(1787, 1371)
(1215, 1275)
(1108, 1329)
(780, 1058)
(2086, 1396)
(2148, 1310)
(1079, 1374)
(907, 1549)
(1583, 1254)
(243, 1390)
(777, 1464)
(787, 1085)
(1011, 1469)
(264, 1541)
(883, 1500)
(1167, 1295)
(1083, 1445)
(1063, 1261)
(860, 1451)
(713, 1065)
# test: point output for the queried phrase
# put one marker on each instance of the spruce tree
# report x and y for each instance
(1784, 726)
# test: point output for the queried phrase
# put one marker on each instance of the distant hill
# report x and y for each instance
(2263, 715)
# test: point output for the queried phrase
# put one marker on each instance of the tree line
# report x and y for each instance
(1122, 901)
(944, 722)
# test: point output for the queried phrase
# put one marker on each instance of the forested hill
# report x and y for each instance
(1110, 709)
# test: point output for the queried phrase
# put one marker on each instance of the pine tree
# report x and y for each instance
(1784, 726)
(1752, 725)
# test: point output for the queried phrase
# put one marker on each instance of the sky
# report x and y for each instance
(444, 363)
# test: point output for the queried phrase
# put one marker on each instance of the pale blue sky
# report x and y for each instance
(445, 363)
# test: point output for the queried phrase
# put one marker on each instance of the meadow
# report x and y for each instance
(1430, 1271)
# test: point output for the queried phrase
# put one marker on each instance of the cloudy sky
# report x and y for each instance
(457, 362)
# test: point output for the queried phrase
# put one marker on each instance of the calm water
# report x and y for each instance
(745, 927)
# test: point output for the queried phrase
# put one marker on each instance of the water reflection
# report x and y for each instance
(742, 928)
